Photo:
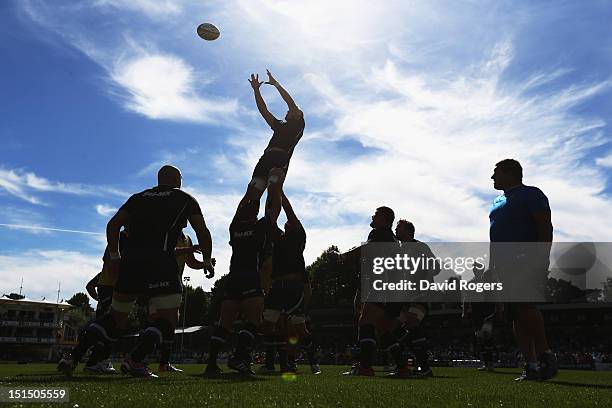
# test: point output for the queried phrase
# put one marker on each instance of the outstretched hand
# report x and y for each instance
(209, 267)
(271, 80)
(255, 81)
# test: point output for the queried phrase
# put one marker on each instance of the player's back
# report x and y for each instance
(157, 216)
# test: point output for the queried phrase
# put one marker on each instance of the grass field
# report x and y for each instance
(460, 387)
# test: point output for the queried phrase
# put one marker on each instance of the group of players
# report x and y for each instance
(147, 251)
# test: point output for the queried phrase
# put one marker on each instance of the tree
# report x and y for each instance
(81, 300)
(333, 282)
(198, 304)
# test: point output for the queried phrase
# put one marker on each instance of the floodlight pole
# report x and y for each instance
(185, 279)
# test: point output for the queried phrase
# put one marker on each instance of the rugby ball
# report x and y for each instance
(208, 31)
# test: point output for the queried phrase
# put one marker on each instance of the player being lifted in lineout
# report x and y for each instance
(271, 168)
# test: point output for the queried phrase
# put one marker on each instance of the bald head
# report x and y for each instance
(169, 176)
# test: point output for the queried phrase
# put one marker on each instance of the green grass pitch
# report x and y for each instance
(451, 387)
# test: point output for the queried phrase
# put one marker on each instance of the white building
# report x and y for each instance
(32, 329)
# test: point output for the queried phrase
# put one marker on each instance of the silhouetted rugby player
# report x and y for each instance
(271, 168)
(290, 290)
(522, 214)
(242, 291)
(371, 313)
(148, 267)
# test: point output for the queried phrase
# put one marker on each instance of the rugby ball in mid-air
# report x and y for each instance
(208, 32)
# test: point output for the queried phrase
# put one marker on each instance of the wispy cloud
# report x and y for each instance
(36, 228)
(151, 8)
(105, 210)
(27, 186)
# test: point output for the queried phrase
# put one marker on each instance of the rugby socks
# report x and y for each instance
(102, 330)
(166, 348)
(246, 336)
(101, 352)
(150, 338)
(367, 345)
(390, 344)
(218, 340)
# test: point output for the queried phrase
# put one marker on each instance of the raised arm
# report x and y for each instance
(204, 241)
(91, 287)
(261, 104)
(291, 217)
(293, 108)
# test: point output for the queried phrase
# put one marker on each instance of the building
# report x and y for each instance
(32, 329)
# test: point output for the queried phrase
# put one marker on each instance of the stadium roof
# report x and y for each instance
(43, 301)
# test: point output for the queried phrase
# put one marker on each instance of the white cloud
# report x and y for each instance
(151, 8)
(43, 270)
(163, 87)
(604, 161)
(105, 210)
(26, 185)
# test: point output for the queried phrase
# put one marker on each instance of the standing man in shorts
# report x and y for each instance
(522, 215)
(290, 289)
(242, 292)
(370, 314)
(271, 168)
(148, 267)
(404, 320)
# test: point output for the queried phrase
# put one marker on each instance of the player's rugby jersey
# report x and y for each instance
(247, 239)
(381, 235)
(157, 217)
(288, 254)
(287, 134)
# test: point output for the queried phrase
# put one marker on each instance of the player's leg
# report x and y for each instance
(160, 283)
(308, 344)
(392, 337)
(165, 349)
(370, 315)
(483, 317)
(218, 339)
(276, 179)
(259, 179)
(98, 362)
(107, 329)
(252, 309)
(152, 337)
(412, 321)
(273, 324)
(531, 339)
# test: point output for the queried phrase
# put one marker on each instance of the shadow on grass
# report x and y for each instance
(53, 378)
(516, 374)
(59, 378)
(229, 377)
(581, 385)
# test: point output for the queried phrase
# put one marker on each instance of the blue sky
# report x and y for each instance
(407, 104)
